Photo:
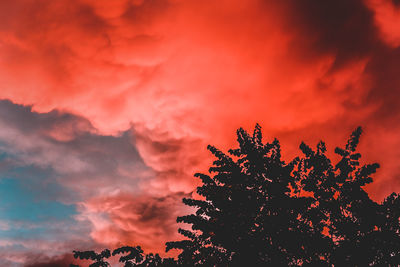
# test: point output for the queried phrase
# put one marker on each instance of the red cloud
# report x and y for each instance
(134, 220)
(387, 19)
(184, 74)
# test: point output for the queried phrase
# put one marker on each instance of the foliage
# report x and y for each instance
(97, 257)
(258, 210)
(135, 257)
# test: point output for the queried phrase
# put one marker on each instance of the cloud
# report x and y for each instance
(71, 149)
(386, 18)
(186, 71)
(60, 261)
(32, 252)
(182, 74)
(51, 165)
(135, 219)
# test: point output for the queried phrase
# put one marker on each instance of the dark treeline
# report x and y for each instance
(258, 210)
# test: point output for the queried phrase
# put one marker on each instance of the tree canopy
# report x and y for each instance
(255, 209)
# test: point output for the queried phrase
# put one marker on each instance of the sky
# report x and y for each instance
(106, 107)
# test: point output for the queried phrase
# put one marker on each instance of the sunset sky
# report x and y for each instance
(106, 107)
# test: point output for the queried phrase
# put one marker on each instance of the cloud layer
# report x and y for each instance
(142, 86)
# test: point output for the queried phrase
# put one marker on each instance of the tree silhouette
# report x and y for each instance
(249, 214)
(258, 210)
(363, 232)
(255, 209)
(98, 258)
(135, 257)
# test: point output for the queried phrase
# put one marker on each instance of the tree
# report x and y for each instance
(363, 232)
(255, 209)
(258, 210)
(134, 257)
(98, 258)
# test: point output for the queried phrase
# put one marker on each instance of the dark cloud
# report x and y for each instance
(342, 28)
(384, 70)
(146, 13)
